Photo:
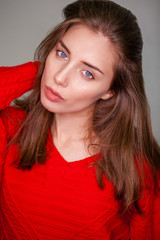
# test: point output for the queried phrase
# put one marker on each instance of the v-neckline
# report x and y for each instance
(54, 150)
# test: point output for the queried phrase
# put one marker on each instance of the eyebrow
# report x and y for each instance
(85, 63)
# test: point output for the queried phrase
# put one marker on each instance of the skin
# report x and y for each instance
(80, 86)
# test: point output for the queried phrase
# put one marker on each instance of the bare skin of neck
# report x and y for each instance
(69, 133)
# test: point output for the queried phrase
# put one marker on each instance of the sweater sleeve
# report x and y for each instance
(15, 81)
(156, 211)
(145, 226)
(3, 146)
(141, 226)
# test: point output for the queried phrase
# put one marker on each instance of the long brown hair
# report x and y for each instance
(121, 123)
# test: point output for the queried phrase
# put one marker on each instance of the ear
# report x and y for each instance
(108, 95)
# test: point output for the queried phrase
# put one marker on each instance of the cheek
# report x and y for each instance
(87, 94)
(47, 76)
(48, 68)
(44, 74)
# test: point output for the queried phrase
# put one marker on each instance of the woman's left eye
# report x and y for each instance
(62, 54)
(88, 74)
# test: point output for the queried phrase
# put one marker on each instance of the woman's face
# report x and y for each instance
(78, 71)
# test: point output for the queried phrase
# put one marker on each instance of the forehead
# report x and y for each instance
(93, 46)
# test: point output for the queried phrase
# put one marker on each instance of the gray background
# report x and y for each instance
(24, 24)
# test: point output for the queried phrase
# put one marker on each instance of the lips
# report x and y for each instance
(53, 95)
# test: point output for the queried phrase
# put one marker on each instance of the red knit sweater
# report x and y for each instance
(60, 199)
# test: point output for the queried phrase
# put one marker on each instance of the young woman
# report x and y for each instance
(78, 159)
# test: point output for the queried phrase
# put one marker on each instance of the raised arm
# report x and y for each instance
(14, 81)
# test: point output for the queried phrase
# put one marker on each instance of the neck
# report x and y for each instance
(69, 126)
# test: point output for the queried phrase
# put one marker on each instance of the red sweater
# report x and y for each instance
(59, 200)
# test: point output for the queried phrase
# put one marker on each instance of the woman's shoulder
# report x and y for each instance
(12, 118)
(13, 113)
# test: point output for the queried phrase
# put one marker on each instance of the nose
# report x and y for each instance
(61, 77)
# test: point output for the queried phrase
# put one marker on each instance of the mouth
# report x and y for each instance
(53, 95)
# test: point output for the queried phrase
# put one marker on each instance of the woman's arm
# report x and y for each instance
(3, 147)
(146, 226)
(156, 211)
(141, 226)
(14, 81)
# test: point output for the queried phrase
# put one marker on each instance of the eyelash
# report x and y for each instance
(60, 51)
(89, 73)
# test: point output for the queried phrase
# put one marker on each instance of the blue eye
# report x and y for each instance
(61, 54)
(88, 74)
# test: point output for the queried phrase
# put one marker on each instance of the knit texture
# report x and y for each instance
(59, 199)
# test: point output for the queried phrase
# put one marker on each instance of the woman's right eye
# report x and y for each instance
(61, 54)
